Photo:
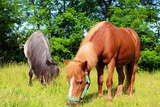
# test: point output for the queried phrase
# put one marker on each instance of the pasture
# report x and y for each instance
(15, 92)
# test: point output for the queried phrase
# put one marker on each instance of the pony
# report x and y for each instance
(37, 51)
(104, 45)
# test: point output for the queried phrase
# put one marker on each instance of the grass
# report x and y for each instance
(15, 92)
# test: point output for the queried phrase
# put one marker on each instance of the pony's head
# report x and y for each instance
(52, 70)
(78, 79)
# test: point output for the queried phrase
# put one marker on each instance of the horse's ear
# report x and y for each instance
(55, 63)
(48, 62)
(84, 65)
(65, 62)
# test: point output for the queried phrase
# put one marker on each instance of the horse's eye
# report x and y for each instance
(79, 82)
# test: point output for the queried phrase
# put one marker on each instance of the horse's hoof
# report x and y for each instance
(100, 95)
(30, 84)
(118, 94)
(131, 95)
(45, 85)
(109, 100)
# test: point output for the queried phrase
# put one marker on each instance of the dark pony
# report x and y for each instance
(104, 45)
(37, 50)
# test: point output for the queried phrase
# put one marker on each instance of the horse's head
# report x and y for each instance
(52, 70)
(78, 79)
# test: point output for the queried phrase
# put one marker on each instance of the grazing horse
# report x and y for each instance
(104, 45)
(36, 49)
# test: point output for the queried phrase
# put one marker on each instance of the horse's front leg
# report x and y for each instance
(100, 67)
(44, 79)
(109, 82)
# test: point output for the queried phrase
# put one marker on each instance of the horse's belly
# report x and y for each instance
(124, 59)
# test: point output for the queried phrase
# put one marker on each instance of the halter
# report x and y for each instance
(84, 91)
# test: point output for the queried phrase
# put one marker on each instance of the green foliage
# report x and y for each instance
(9, 16)
(149, 60)
(59, 47)
(69, 28)
(64, 22)
(70, 23)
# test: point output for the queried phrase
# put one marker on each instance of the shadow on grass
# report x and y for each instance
(91, 97)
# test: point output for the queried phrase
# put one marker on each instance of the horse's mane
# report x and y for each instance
(93, 31)
(86, 51)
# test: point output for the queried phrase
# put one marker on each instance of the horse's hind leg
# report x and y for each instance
(130, 73)
(128, 77)
(120, 81)
(133, 78)
(100, 68)
(30, 77)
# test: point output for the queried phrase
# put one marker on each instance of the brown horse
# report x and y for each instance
(107, 45)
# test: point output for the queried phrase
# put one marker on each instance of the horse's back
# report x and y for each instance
(110, 41)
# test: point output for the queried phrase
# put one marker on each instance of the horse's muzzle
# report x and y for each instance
(72, 103)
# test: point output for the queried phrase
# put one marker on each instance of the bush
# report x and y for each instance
(149, 60)
(59, 49)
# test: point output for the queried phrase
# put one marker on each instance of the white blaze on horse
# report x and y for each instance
(37, 51)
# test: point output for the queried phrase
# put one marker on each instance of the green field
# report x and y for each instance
(15, 92)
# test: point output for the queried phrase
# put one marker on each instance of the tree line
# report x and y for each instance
(65, 22)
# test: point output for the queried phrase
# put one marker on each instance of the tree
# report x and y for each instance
(9, 16)
(64, 22)
(69, 29)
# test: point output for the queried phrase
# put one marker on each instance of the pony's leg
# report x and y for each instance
(30, 77)
(49, 78)
(44, 80)
(100, 68)
(30, 73)
(109, 81)
(120, 81)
